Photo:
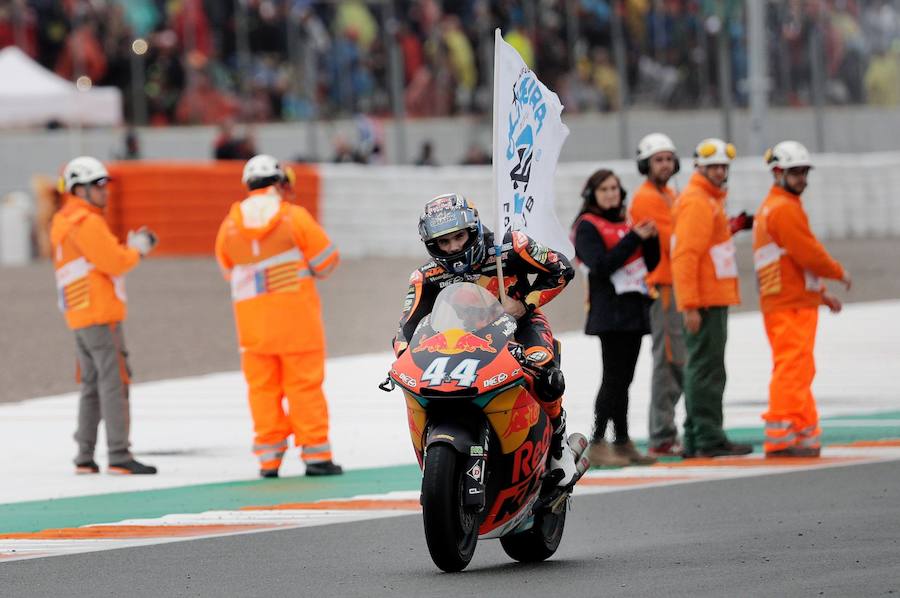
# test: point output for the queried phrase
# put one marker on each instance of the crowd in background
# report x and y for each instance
(267, 60)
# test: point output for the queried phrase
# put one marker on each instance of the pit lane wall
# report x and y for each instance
(374, 211)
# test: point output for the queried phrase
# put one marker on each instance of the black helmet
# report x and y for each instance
(447, 214)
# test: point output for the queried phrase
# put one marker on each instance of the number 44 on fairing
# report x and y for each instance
(463, 373)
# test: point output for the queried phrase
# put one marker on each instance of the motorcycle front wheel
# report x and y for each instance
(451, 531)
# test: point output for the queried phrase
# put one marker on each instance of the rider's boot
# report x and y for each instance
(563, 466)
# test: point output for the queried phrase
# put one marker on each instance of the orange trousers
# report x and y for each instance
(792, 419)
(298, 378)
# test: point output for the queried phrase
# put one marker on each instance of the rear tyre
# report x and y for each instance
(538, 543)
(451, 531)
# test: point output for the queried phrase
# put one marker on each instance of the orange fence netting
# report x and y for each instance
(185, 202)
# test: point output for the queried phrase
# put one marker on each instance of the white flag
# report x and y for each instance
(528, 136)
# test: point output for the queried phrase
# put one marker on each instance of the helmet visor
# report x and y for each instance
(444, 222)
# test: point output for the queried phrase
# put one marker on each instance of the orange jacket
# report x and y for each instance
(271, 263)
(89, 263)
(787, 256)
(649, 203)
(704, 270)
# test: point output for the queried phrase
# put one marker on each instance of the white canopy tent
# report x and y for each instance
(32, 95)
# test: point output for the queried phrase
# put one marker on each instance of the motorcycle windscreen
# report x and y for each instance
(465, 306)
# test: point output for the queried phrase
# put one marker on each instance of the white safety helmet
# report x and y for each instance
(82, 171)
(788, 154)
(261, 167)
(714, 151)
(653, 144)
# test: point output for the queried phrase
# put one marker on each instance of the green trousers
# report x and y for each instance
(704, 380)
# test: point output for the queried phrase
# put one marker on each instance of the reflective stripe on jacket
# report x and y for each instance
(649, 203)
(89, 264)
(704, 270)
(787, 257)
(271, 269)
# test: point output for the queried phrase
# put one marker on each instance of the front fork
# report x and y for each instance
(475, 477)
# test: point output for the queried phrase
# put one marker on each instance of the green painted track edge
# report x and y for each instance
(32, 516)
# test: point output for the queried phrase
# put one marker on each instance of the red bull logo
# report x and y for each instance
(438, 342)
(471, 342)
(524, 414)
(456, 341)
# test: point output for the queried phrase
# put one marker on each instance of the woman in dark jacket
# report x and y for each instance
(617, 257)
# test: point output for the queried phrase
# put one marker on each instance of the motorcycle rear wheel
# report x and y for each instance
(451, 531)
(538, 543)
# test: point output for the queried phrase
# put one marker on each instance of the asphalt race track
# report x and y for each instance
(829, 532)
(832, 531)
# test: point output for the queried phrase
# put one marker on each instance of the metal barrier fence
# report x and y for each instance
(374, 212)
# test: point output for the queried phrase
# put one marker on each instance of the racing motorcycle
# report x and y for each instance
(481, 438)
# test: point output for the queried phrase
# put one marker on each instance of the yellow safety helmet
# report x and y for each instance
(714, 151)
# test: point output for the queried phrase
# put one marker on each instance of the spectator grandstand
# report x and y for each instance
(208, 62)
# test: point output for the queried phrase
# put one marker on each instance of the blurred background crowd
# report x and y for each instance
(214, 61)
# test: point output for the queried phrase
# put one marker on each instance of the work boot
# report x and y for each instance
(86, 467)
(795, 451)
(562, 458)
(627, 450)
(132, 467)
(268, 473)
(601, 454)
(725, 449)
(324, 468)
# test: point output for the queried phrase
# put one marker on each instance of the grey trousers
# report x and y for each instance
(669, 356)
(102, 361)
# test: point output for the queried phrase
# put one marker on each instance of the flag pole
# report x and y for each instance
(498, 242)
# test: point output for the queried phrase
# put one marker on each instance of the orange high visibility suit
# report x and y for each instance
(666, 328)
(90, 263)
(703, 255)
(705, 276)
(271, 252)
(789, 261)
(649, 203)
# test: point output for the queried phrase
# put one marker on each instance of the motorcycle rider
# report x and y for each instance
(454, 236)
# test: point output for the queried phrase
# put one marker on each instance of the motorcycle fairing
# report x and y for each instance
(521, 432)
(492, 374)
(510, 500)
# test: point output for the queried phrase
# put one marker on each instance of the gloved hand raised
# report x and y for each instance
(742, 221)
(143, 239)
